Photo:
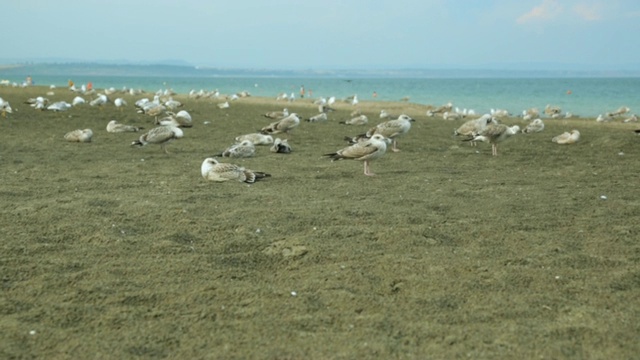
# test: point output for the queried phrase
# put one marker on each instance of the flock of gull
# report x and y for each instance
(364, 147)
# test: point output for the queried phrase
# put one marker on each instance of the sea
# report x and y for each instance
(584, 96)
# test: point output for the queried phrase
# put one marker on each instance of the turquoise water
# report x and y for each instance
(588, 98)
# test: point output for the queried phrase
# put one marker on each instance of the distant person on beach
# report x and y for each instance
(302, 91)
(29, 81)
(89, 86)
(71, 83)
(375, 94)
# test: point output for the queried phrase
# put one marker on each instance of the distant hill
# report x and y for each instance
(169, 70)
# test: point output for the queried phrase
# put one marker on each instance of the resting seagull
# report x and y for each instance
(567, 138)
(79, 135)
(358, 120)
(99, 101)
(161, 135)
(535, 126)
(277, 114)
(256, 138)
(283, 125)
(244, 149)
(213, 170)
(115, 127)
(281, 146)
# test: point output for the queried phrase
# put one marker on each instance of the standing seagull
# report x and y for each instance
(161, 135)
(213, 170)
(494, 133)
(283, 125)
(389, 129)
(365, 151)
(120, 103)
(474, 125)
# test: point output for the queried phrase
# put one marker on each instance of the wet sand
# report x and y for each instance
(111, 251)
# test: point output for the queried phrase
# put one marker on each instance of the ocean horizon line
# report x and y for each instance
(159, 70)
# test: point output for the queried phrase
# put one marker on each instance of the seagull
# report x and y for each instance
(184, 118)
(281, 146)
(451, 115)
(224, 105)
(621, 111)
(358, 120)
(389, 129)
(552, 110)
(213, 170)
(476, 125)
(5, 107)
(161, 135)
(181, 119)
(318, 117)
(494, 133)
(446, 107)
(499, 113)
(365, 151)
(59, 106)
(242, 150)
(531, 113)
(141, 103)
(535, 126)
(385, 115)
(119, 103)
(632, 118)
(99, 101)
(79, 135)
(172, 104)
(150, 108)
(567, 137)
(115, 127)
(78, 100)
(283, 125)
(277, 114)
(325, 108)
(256, 138)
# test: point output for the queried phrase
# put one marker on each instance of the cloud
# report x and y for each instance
(545, 11)
(586, 12)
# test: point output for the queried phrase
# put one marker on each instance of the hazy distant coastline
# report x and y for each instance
(180, 70)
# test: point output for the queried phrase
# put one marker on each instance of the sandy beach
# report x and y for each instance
(114, 251)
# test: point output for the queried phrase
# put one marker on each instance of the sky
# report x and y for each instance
(328, 34)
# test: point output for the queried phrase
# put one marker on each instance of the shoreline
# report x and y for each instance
(566, 101)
